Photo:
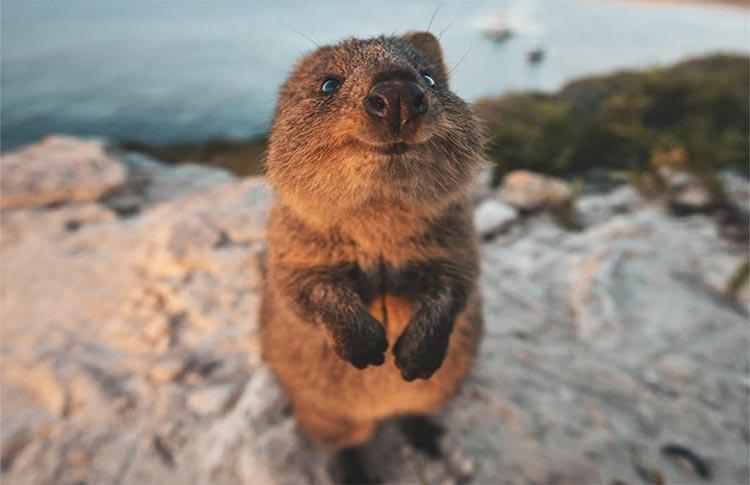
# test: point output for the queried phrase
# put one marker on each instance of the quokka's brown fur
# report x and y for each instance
(371, 308)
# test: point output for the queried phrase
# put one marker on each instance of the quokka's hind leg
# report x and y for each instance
(349, 467)
(333, 432)
(423, 433)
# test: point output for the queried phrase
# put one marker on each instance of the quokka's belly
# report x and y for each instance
(313, 375)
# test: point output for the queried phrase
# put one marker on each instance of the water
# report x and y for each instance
(163, 72)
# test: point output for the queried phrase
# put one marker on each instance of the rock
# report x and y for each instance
(131, 353)
(60, 169)
(210, 400)
(150, 182)
(117, 303)
(615, 328)
(687, 192)
(493, 217)
(166, 369)
(528, 191)
(125, 204)
(737, 188)
(40, 382)
(157, 182)
(598, 208)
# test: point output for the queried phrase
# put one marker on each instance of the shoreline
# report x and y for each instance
(240, 157)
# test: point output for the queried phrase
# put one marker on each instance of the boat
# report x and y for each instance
(498, 29)
(536, 55)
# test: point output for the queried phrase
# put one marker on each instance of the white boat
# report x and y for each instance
(498, 29)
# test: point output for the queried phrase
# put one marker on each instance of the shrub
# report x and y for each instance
(620, 121)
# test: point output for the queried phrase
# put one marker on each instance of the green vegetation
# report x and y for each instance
(694, 115)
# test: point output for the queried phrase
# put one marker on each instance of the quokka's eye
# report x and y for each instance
(428, 79)
(330, 85)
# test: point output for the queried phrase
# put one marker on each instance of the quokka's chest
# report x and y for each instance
(393, 312)
(389, 292)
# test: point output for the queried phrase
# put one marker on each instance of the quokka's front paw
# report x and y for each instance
(420, 350)
(360, 341)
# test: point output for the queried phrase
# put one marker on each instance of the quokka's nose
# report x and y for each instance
(397, 102)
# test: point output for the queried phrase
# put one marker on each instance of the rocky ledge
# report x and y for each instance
(613, 353)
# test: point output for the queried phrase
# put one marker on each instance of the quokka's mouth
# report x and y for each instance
(393, 149)
(389, 149)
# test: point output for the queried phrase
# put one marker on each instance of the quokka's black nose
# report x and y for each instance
(397, 102)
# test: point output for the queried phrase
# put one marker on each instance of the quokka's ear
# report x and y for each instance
(428, 45)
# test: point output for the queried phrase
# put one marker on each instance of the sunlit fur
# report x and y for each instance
(369, 251)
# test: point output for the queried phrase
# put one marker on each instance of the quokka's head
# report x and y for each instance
(372, 120)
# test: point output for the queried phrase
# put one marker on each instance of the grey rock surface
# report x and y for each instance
(59, 169)
(598, 208)
(736, 188)
(130, 351)
(493, 217)
(686, 191)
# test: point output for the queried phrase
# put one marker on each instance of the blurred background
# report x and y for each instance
(163, 73)
(613, 215)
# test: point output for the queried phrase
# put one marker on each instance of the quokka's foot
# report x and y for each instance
(423, 433)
